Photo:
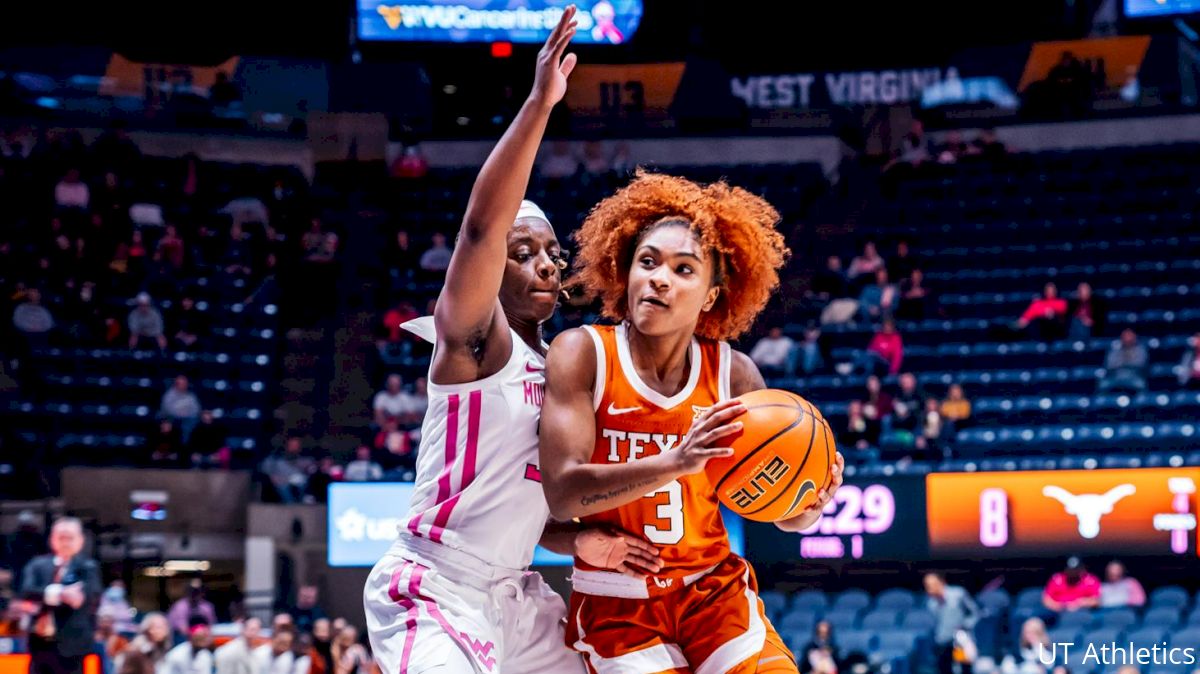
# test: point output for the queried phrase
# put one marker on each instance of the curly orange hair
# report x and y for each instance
(733, 223)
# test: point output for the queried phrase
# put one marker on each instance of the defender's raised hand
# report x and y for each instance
(553, 69)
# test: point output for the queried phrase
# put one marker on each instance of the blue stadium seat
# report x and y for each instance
(852, 599)
(842, 619)
(919, 620)
(856, 641)
(1169, 596)
(1185, 638)
(1118, 618)
(773, 602)
(1029, 597)
(1194, 617)
(1064, 634)
(810, 599)
(897, 599)
(799, 620)
(880, 619)
(1162, 617)
(996, 600)
(1104, 635)
(1147, 636)
(1080, 620)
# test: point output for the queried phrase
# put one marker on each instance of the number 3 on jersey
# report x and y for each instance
(670, 511)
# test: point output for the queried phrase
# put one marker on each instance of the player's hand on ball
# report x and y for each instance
(812, 513)
(711, 426)
(620, 552)
(553, 69)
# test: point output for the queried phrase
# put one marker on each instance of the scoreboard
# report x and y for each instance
(1136, 512)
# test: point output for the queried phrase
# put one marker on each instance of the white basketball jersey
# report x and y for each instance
(478, 486)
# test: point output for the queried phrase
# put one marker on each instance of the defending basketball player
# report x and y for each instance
(633, 413)
(453, 594)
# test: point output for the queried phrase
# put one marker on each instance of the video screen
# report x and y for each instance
(1136, 9)
(527, 21)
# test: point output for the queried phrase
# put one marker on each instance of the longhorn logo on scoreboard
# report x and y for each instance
(768, 476)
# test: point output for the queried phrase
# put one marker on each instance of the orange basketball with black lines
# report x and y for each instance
(781, 459)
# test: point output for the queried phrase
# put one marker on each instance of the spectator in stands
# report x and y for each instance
(191, 609)
(1033, 648)
(809, 352)
(878, 405)
(146, 325)
(830, 283)
(33, 320)
(327, 473)
(363, 468)
(908, 403)
(867, 264)
(775, 354)
(189, 324)
(194, 656)
(933, 427)
(171, 248)
(914, 297)
(955, 612)
(1072, 589)
(954, 149)
(182, 406)
(27, 542)
(209, 443)
(239, 253)
(1088, 314)
(622, 163)
(990, 147)
(1119, 590)
(1045, 314)
(236, 656)
(1125, 365)
(902, 263)
(560, 163)
(288, 471)
(885, 353)
(402, 258)
(314, 239)
(71, 191)
(820, 655)
(166, 445)
(594, 161)
(411, 164)
(321, 654)
(108, 641)
(437, 258)
(396, 403)
(349, 656)
(956, 409)
(307, 610)
(395, 342)
(147, 652)
(114, 603)
(879, 299)
(1189, 365)
(276, 657)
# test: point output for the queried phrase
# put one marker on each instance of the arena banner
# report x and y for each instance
(600, 21)
(158, 81)
(1149, 511)
(640, 91)
(1115, 57)
(838, 89)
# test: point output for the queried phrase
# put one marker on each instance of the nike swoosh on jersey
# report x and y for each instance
(613, 410)
(530, 368)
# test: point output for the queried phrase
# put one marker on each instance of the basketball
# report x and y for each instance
(780, 461)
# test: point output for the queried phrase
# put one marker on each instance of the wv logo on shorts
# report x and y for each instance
(768, 476)
(664, 583)
(482, 650)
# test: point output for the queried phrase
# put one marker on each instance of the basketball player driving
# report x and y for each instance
(633, 412)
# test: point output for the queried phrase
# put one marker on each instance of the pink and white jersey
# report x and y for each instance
(478, 487)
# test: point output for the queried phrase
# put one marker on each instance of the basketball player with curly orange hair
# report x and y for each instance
(634, 411)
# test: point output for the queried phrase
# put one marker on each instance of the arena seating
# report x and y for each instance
(894, 626)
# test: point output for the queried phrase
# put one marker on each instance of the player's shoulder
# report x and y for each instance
(572, 355)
